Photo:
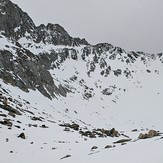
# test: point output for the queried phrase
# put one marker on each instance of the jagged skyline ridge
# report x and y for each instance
(132, 25)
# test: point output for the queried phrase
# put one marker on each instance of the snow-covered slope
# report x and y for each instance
(64, 100)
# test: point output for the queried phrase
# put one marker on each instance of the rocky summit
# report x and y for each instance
(62, 98)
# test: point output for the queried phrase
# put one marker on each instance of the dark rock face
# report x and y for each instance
(26, 73)
(56, 34)
(13, 21)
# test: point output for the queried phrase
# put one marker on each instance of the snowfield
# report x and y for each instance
(139, 107)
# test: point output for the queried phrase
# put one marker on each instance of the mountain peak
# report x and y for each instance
(13, 21)
(15, 24)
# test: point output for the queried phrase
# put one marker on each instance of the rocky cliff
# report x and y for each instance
(19, 66)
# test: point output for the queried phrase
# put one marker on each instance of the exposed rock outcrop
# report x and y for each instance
(10, 109)
(23, 68)
(122, 141)
(13, 21)
(73, 126)
(100, 133)
(56, 35)
(6, 122)
(150, 134)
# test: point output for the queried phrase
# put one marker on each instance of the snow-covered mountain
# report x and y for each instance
(65, 100)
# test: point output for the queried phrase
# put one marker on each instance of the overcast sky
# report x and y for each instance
(131, 24)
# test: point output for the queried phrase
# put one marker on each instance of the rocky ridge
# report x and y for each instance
(16, 24)
(27, 71)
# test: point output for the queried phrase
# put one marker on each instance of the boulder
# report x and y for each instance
(122, 141)
(94, 147)
(150, 134)
(22, 135)
(153, 133)
(143, 136)
(108, 146)
(88, 134)
(11, 109)
(114, 133)
(6, 122)
(36, 119)
(74, 126)
(44, 126)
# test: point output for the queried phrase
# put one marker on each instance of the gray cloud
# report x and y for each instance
(130, 24)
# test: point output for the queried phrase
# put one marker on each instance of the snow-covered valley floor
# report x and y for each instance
(137, 111)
